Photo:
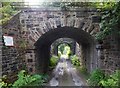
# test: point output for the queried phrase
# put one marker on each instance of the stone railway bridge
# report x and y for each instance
(40, 28)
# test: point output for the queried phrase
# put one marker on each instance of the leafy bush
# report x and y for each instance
(113, 81)
(95, 77)
(7, 11)
(75, 60)
(28, 80)
(25, 80)
(3, 82)
(53, 61)
(98, 78)
(61, 48)
(64, 49)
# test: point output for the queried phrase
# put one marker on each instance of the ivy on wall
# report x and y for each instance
(110, 22)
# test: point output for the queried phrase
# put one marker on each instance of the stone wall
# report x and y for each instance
(30, 62)
(78, 51)
(0, 52)
(11, 64)
(0, 45)
(110, 55)
(12, 61)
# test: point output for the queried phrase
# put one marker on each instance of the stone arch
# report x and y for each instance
(81, 37)
(67, 41)
(36, 22)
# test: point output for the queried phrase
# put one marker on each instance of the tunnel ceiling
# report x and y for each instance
(77, 34)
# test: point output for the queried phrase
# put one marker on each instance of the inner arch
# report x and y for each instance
(81, 37)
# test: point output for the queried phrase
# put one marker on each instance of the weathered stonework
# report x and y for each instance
(30, 62)
(30, 25)
(12, 61)
(37, 22)
(0, 46)
(11, 64)
(110, 56)
(1, 52)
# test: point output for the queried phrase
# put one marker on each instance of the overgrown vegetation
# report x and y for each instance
(98, 78)
(112, 81)
(82, 69)
(7, 11)
(95, 77)
(75, 60)
(110, 22)
(25, 80)
(53, 61)
(64, 49)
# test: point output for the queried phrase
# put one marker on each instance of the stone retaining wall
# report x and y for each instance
(110, 54)
(12, 62)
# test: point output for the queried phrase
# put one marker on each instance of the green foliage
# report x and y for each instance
(103, 5)
(95, 77)
(75, 60)
(110, 22)
(3, 82)
(97, 4)
(53, 61)
(112, 81)
(64, 49)
(98, 78)
(61, 48)
(7, 11)
(25, 79)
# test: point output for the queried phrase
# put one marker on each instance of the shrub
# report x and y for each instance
(25, 79)
(66, 50)
(3, 83)
(53, 61)
(95, 77)
(75, 60)
(113, 81)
